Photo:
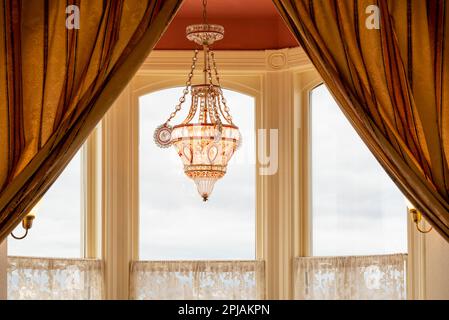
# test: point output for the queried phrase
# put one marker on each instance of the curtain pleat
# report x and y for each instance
(56, 84)
(392, 83)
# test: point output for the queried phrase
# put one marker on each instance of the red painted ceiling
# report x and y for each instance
(249, 25)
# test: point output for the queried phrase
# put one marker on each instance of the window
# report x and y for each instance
(52, 255)
(356, 208)
(175, 224)
(56, 230)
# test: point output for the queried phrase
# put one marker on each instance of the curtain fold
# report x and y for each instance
(56, 84)
(54, 279)
(392, 83)
(197, 280)
(379, 277)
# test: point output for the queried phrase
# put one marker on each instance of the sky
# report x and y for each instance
(357, 209)
(56, 229)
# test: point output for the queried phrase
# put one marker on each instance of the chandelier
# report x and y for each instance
(207, 138)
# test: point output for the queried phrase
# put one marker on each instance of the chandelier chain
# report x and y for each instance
(205, 11)
(215, 116)
(186, 89)
(226, 113)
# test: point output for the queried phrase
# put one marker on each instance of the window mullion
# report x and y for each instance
(91, 177)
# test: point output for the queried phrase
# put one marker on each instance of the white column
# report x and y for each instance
(3, 270)
(278, 110)
(286, 193)
(119, 226)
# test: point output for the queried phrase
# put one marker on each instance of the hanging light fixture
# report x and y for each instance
(207, 138)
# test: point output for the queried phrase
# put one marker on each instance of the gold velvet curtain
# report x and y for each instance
(392, 83)
(56, 83)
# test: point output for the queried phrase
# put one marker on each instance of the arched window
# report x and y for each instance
(175, 224)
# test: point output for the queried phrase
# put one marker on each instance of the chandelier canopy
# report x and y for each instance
(207, 138)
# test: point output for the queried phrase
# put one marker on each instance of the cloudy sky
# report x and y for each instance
(56, 230)
(356, 208)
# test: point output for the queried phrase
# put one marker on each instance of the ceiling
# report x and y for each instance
(249, 25)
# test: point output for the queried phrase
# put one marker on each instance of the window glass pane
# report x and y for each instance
(174, 221)
(357, 209)
(56, 230)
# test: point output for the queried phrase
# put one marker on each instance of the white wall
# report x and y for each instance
(437, 266)
(3, 275)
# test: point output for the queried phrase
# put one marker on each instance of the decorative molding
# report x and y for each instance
(276, 60)
(236, 62)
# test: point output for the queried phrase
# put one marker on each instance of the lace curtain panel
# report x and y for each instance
(197, 280)
(380, 277)
(54, 279)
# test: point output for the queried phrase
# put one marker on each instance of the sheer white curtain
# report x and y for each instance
(380, 277)
(208, 280)
(54, 279)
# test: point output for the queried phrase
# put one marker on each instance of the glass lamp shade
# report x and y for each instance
(205, 152)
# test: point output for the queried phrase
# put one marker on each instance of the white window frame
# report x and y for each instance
(91, 196)
(90, 232)
(416, 244)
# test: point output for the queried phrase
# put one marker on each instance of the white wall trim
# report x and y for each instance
(237, 62)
